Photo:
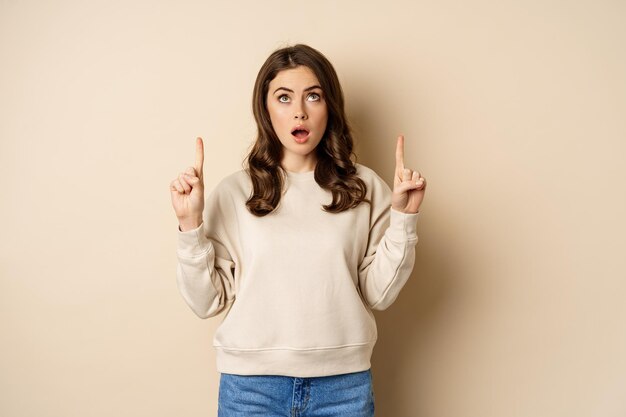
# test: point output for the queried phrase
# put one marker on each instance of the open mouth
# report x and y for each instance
(300, 132)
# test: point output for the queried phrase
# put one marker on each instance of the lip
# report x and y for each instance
(302, 140)
(300, 127)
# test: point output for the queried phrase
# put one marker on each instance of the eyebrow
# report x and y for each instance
(291, 91)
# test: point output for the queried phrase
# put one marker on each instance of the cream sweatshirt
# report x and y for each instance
(298, 286)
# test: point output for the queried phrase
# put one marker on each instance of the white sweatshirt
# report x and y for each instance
(298, 285)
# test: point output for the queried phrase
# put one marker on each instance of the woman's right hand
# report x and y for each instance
(188, 192)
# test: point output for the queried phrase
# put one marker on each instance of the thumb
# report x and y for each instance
(405, 187)
(193, 180)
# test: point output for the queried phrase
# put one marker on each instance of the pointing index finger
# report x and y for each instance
(400, 154)
(199, 156)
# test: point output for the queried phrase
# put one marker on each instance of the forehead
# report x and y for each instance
(300, 76)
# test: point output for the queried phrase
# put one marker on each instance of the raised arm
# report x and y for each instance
(390, 254)
(206, 271)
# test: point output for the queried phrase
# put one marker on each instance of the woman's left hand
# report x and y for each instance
(408, 185)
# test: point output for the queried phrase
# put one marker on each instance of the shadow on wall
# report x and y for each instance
(407, 323)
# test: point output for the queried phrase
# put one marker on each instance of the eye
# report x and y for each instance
(317, 96)
(281, 96)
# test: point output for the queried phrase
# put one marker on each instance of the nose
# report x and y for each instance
(300, 114)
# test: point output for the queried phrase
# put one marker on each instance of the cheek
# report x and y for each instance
(317, 111)
(323, 112)
(277, 113)
(271, 110)
(323, 115)
(280, 122)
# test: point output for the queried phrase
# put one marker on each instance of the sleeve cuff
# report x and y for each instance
(192, 243)
(402, 226)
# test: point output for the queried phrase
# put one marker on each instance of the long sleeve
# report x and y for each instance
(206, 270)
(390, 255)
(296, 287)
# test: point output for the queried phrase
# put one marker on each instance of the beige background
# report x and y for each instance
(512, 110)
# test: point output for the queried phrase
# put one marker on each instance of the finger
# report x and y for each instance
(192, 180)
(418, 180)
(400, 154)
(192, 171)
(183, 182)
(199, 156)
(406, 186)
(175, 186)
(406, 174)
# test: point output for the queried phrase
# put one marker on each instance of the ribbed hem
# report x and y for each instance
(192, 243)
(295, 363)
(402, 226)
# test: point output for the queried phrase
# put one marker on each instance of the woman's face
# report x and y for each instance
(297, 109)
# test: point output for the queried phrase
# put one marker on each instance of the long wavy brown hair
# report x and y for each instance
(334, 170)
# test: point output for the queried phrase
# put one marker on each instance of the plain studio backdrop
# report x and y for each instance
(514, 112)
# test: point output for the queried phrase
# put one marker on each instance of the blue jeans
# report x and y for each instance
(345, 395)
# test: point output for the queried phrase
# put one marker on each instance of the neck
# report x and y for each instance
(304, 165)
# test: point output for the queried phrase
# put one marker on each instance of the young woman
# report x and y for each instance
(296, 249)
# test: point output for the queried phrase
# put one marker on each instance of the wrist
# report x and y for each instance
(404, 211)
(189, 224)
